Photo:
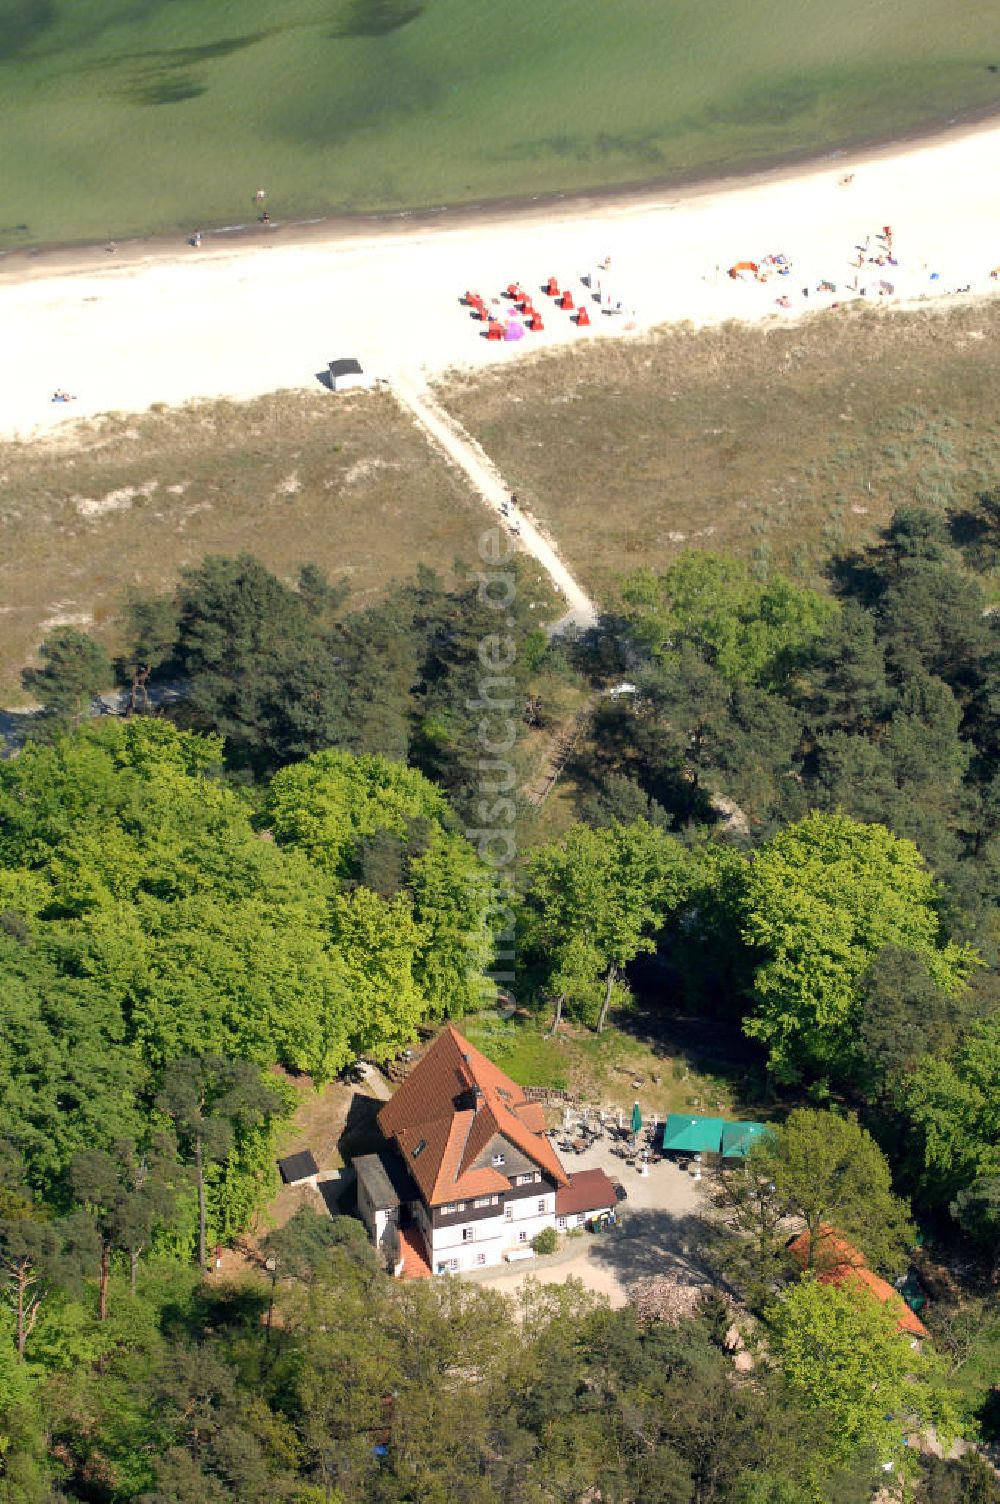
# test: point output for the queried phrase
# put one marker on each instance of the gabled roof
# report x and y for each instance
(839, 1263)
(588, 1191)
(692, 1135)
(346, 367)
(449, 1109)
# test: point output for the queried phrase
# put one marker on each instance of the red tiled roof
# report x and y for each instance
(588, 1191)
(413, 1250)
(840, 1263)
(434, 1105)
(532, 1115)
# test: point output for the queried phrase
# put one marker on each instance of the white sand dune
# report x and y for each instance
(239, 320)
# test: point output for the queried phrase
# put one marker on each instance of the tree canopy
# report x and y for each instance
(827, 1170)
(749, 629)
(145, 920)
(823, 897)
(843, 1353)
(595, 901)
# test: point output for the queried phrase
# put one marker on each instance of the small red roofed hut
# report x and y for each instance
(838, 1262)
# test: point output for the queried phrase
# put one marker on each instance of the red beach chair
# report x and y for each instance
(566, 301)
(582, 317)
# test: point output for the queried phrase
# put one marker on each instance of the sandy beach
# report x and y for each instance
(239, 320)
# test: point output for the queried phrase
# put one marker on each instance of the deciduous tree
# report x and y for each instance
(843, 1353)
(822, 899)
(828, 1170)
(596, 900)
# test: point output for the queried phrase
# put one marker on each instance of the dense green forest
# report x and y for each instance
(357, 1389)
(266, 864)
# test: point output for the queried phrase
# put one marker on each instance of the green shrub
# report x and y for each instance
(546, 1241)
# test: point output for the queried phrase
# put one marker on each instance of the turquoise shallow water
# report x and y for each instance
(134, 116)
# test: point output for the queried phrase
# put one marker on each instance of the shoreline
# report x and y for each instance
(244, 316)
(62, 257)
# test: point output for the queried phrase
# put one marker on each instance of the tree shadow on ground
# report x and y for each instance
(706, 1045)
(360, 1133)
(229, 1307)
(14, 727)
(652, 1242)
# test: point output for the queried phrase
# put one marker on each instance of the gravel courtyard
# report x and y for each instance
(660, 1232)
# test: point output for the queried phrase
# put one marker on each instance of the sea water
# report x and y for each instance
(122, 117)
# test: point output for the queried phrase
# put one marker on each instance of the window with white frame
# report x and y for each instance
(560, 1221)
(508, 1213)
(467, 1234)
(541, 1204)
(482, 1201)
(498, 1157)
(525, 1179)
(522, 1237)
(480, 1258)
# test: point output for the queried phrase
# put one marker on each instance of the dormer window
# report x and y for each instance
(498, 1158)
(418, 1149)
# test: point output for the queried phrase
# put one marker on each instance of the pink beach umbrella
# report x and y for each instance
(514, 330)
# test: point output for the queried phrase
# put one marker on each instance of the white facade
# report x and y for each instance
(482, 1241)
(375, 1219)
(468, 1245)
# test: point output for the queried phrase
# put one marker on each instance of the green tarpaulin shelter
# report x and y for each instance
(737, 1138)
(683, 1134)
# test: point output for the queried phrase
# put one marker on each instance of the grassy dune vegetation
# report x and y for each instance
(121, 118)
(785, 443)
(290, 478)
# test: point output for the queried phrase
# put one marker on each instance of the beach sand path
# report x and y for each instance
(462, 450)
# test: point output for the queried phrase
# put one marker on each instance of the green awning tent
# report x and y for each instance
(737, 1138)
(683, 1134)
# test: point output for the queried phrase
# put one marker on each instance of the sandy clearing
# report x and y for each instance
(242, 321)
